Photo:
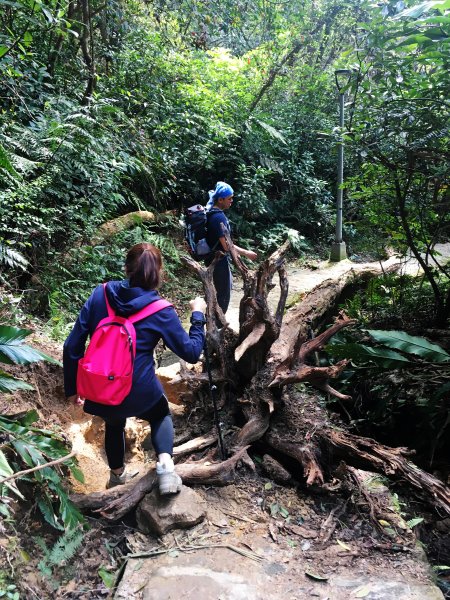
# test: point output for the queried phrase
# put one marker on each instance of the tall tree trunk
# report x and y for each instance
(87, 49)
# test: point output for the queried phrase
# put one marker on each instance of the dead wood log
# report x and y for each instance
(111, 228)
(275, 470)
(113, 504)
(195, 445)
(393, 462)
(293, 345)
(294, 369)
(258, 326)
(218, 341)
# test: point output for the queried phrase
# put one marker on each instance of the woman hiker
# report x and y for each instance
(146, 399)
(220, 200)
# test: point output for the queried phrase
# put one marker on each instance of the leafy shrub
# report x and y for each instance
(25, 448)
(401, 386)
(401, 301)
(70, 280)
(271, 238)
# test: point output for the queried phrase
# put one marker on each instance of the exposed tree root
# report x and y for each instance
(113, 504)
(369, 454)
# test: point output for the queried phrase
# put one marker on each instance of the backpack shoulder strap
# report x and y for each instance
(213, 211)
(150, 309)
(111, 313)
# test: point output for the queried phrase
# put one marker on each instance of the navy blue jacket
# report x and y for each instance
(125, 300)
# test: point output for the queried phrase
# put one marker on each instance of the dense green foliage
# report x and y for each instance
(401, 383)
(112, 109)
(125, 106)
(25, 447)
(400, 130)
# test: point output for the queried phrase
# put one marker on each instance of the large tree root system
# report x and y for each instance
(257, 372)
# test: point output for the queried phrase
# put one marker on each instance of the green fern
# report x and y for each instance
(61, 552)
(12, 258)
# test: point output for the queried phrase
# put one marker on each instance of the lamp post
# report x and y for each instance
(338, 249)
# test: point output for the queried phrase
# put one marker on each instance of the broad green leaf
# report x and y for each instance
(3, 50)
(25, 451)
(6, 471)
(5, 163)
(23, 354)
(274, 509)
(107, 577)
(9, 335)
(363, 354)
(46, 507)
(271, 130)
(9, 384)
(413, 522)
(410, 344)
(32, 416)
(69, 513)
(27, 38)
(77, 473)
(5, 467)
(419, 9)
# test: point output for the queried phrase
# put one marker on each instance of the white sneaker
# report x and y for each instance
(169, 482)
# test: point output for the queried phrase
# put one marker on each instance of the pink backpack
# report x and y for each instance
(105, 372)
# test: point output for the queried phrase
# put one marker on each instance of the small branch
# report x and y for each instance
(38, 468)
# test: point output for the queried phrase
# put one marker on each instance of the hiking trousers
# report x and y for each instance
(223, 282)
(161, 425)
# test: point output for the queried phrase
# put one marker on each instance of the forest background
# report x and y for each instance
(123, 107)
(111, 108)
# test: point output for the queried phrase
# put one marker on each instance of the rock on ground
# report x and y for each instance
(160, 514)
(221, 574)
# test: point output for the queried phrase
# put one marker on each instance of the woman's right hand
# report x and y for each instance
(198, 304)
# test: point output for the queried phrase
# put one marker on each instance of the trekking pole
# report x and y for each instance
(213, 394)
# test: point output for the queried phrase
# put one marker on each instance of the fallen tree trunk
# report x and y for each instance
(111, 228)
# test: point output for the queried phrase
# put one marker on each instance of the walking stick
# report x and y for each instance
(213, 395)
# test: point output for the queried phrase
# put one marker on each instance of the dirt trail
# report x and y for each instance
(303, 280)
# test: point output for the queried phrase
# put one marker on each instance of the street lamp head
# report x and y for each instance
(342, 78)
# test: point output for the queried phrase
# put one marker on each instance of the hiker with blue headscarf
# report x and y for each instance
(221, 199)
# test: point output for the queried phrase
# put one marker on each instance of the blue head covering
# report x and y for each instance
(223, 190)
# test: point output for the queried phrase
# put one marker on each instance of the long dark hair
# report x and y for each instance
(143, 266)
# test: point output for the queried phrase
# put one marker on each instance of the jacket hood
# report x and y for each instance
(126, 300)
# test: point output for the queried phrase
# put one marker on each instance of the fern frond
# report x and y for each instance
(65, 547)
(12, 258)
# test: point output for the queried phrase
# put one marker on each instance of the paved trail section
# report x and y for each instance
(303, 280)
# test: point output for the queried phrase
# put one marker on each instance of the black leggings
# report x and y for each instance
(161, 425)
